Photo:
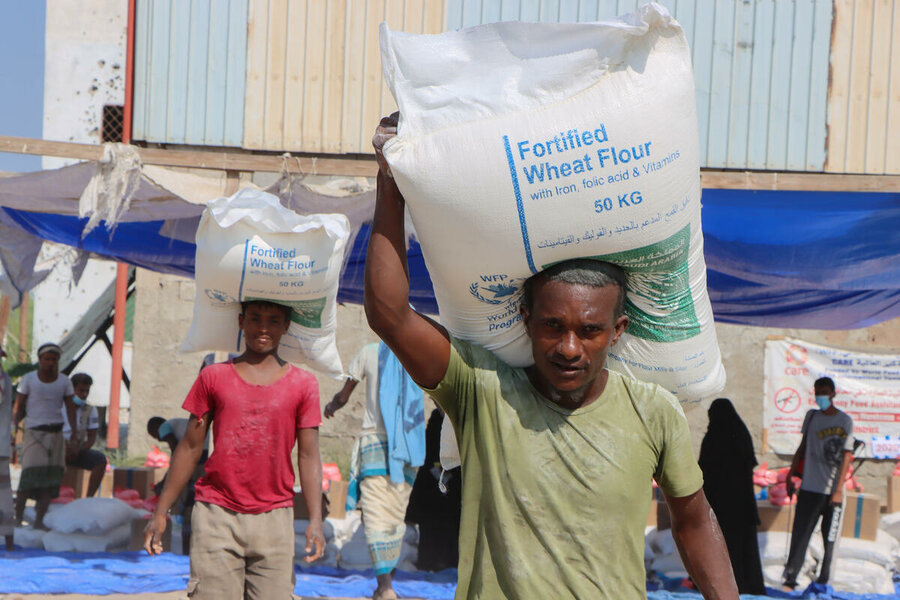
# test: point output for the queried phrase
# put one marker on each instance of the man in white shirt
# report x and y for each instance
(7, 519)
(40, 399)
(79, 453)
(382, 495)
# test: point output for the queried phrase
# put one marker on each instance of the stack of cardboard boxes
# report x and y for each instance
(333, 505)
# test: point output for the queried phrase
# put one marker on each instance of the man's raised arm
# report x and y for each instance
(422, 345)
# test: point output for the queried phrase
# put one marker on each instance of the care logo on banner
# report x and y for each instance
(868, 389)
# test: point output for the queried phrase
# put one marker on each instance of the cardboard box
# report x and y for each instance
(893, 494)
(135, 478)
(300, 511)
(337, 499)
(137, 535)
(862, 512)
(79, 479)
(334, 502)
(775, 518)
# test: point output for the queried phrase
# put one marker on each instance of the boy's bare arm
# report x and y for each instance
(422, 345)
(341, 398)
(19, 408)
(795, 466)
(310, 464)
(184, 461)
(90, 439)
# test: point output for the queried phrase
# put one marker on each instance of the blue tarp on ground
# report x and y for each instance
(813, 260)
(38, 572)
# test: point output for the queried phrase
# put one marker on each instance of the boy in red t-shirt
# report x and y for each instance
(243, 535)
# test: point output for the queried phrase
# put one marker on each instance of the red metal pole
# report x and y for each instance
(112, 434)
(128, 107)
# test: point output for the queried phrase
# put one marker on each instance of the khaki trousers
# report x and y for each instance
(383, 505)
(240, 556)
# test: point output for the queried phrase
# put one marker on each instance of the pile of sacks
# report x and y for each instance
(660, 554)
(774, 484)
(345, 544)
(859, 566)
(773, 553)
(862, 566)
(85, 525)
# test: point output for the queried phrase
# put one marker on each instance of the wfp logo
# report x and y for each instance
(218, 296)
(495, 289)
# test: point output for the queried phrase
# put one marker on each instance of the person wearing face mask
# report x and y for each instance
(826, 451)
(79, 454)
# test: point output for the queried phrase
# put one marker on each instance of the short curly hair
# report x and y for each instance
(82, 379)
(579, 271)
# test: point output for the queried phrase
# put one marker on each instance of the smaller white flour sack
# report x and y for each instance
(521, 145)
(249, 247)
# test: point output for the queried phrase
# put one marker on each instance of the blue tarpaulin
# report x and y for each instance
(813, 260)
(39, 572)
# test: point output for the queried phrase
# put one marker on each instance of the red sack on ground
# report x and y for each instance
(330, 472)
(125, 494)
(66, 495)
(781, 474)
(764, 476)
(157, 458)
(778, 495)
(150, 503)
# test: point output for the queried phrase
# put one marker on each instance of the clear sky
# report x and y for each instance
(22, 74)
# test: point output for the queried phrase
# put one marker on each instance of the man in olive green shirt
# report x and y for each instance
(569, 488)
(557, 458)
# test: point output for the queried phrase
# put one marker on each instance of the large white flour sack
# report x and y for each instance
(249, 247)
(521, 145)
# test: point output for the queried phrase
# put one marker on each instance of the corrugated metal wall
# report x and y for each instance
(189, 71)
(864, 99)
(314, 76)
(760, 66)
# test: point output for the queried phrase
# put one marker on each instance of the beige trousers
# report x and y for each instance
(239, 556)
(383, 506)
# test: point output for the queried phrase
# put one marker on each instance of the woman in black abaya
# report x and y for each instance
(727, 460)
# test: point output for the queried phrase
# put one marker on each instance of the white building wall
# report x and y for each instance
(84, 70)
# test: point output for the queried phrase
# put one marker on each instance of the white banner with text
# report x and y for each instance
(867, 385)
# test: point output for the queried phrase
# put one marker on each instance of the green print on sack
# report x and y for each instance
(306, 313)
(659, 305)
(658, 280)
